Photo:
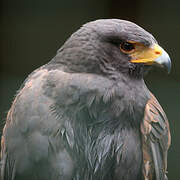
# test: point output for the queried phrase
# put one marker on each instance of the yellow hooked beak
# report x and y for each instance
(151, 55)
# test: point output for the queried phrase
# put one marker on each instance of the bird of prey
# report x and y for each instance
(87, 114)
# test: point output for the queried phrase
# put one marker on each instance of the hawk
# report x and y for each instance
(87, 114)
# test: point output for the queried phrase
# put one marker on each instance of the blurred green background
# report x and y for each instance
(31, 31)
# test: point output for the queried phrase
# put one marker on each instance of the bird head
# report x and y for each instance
(112, 46)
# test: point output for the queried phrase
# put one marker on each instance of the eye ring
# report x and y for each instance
(127, 47)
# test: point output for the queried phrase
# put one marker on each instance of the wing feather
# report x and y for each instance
(155, 141)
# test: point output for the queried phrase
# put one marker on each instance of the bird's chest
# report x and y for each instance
(113, 144)
(110, 155)
(106, 133)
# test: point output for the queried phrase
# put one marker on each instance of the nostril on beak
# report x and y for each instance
(157, 52)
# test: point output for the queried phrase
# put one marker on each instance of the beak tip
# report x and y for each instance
(164, 61)
(167, 65)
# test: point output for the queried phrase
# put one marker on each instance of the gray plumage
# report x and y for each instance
(79, 116)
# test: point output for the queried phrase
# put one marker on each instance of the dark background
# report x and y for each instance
(31, 31)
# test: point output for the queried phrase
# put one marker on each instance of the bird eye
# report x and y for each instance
(127, 47)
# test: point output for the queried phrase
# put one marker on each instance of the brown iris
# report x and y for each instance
(127, 47)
